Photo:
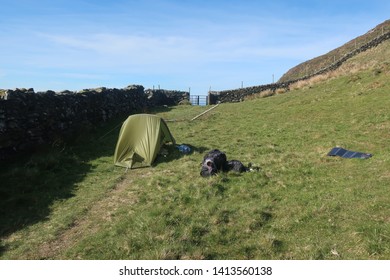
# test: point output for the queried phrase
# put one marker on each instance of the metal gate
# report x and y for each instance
(201, 100)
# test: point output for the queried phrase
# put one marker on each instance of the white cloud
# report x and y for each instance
(243, 42)
(114, 49)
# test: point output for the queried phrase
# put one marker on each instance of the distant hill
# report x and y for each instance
(315, 64)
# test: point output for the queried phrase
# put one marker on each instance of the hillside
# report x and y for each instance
(72, 203)
(315, 64)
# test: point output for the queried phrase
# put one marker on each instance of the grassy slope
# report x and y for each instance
(301, 205)
(327, 59)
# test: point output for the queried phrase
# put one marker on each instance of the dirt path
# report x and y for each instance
(100, 212)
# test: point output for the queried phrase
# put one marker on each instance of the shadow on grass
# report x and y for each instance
(30, 183)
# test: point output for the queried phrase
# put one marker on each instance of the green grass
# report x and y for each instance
(72, 203)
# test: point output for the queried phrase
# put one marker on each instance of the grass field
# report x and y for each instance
(70, 202)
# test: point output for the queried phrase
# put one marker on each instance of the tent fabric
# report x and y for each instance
(140, 140)
(338, 151)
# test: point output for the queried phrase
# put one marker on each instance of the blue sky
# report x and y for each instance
(67, 44)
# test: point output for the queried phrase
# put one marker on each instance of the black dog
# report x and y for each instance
(237, 166)
(215, 161)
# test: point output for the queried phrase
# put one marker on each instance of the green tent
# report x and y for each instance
(140, 140)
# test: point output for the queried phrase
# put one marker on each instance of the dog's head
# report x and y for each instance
(208, 168)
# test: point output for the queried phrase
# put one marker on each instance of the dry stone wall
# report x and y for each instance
(29, 119)
(158, 97)
(238, 95)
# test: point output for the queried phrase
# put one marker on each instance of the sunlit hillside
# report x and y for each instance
(317, 63)
(73, 203)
